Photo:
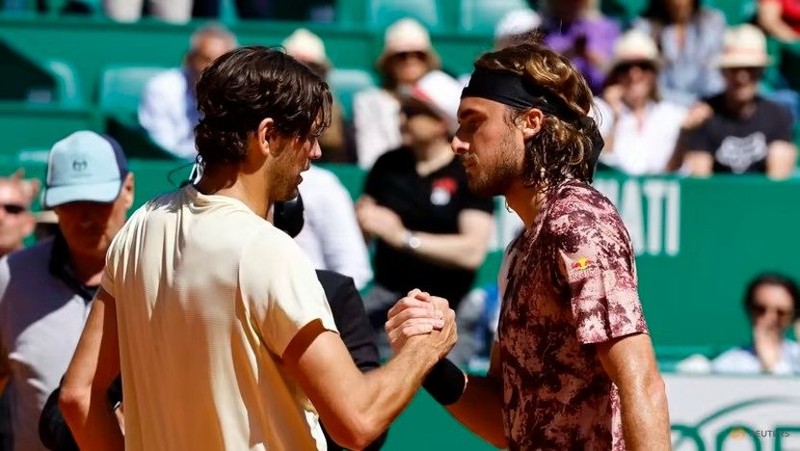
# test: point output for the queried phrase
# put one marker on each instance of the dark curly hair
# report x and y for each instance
(564, 147)
(248, 84)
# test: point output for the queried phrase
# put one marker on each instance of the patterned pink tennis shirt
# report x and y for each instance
(571, 284)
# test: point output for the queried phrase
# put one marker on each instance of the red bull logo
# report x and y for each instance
(582, 263)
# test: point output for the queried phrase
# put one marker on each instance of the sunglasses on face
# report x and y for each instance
(13, 209)
(753, 72)
(761, 310)
(411, 110)
(641, 65)
(401, 56)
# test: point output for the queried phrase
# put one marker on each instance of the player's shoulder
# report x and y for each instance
(579, 197)
(577, 206)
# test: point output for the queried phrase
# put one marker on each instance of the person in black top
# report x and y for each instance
(348, 312)
(430, 231)
(742, 132)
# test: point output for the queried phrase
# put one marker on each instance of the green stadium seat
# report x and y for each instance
(68, 88)
(345, 83)
(623, 10)
(121, 86)
(736, 11)
(382, 13)
(482, 15)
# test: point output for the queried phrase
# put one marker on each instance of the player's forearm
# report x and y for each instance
(91, 420)
(451, 249)
(480, 409)
(645, 417)
(384, 393)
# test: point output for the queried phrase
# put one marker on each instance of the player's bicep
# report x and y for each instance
(320, 363)
(95, 363)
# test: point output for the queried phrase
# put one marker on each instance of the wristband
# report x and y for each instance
(445, 382)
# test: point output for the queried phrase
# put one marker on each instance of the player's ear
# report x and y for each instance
(531, 122)
(264, 133)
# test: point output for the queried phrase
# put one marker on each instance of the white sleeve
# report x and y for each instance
(155, 108)
(343, 246)
(371, 141)
(281, 288)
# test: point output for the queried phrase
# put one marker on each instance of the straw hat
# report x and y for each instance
(407, 35)
(635, 46)
(745, 46)
(307, 47)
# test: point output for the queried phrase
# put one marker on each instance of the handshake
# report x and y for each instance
(422, 322)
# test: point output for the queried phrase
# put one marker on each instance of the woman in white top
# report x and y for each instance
(644, 128)
(407, 56)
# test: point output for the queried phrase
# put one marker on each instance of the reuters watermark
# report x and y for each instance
(741, 433)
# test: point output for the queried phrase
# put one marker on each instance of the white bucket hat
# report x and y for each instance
(407, 35)
(441, 93)
(745, 46)
(635, 46)
(307, 47)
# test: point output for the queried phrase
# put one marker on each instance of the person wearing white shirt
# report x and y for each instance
(168, 107)
(644, 129)
(331, 237)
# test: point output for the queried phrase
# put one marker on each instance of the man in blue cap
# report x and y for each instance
(46, 290)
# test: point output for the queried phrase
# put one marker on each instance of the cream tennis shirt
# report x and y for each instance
(208, 297)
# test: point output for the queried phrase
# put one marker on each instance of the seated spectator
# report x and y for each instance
(690, 38)
(771, 303)
(168, 107)
(407, 56)
(742, 132)
(331, 237)
(577, 30)
(430, 231)
(645, 128)
(307, 47)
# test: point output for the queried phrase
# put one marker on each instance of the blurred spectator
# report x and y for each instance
(780, 19)
(690, 37)
(168, 107)
(515, 25)
(645, 128)
(771, 304)
(46, 290)
(336, 140)
(407, 56)
(431, 232)
(741, 132)
(16, 220)
(580, 32)
(331, 237)
(173, 11)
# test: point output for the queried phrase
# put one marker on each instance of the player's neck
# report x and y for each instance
(525, 201)
(248, 187)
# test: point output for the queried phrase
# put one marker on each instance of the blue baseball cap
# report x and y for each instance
(84, 166)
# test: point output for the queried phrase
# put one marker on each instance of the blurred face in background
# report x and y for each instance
(772, 310)
(638, 79)
(406, 68)
(680, 11)
(206, 49)
(741, 83)
(89, 227)
(419, 125)
(16, 220)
